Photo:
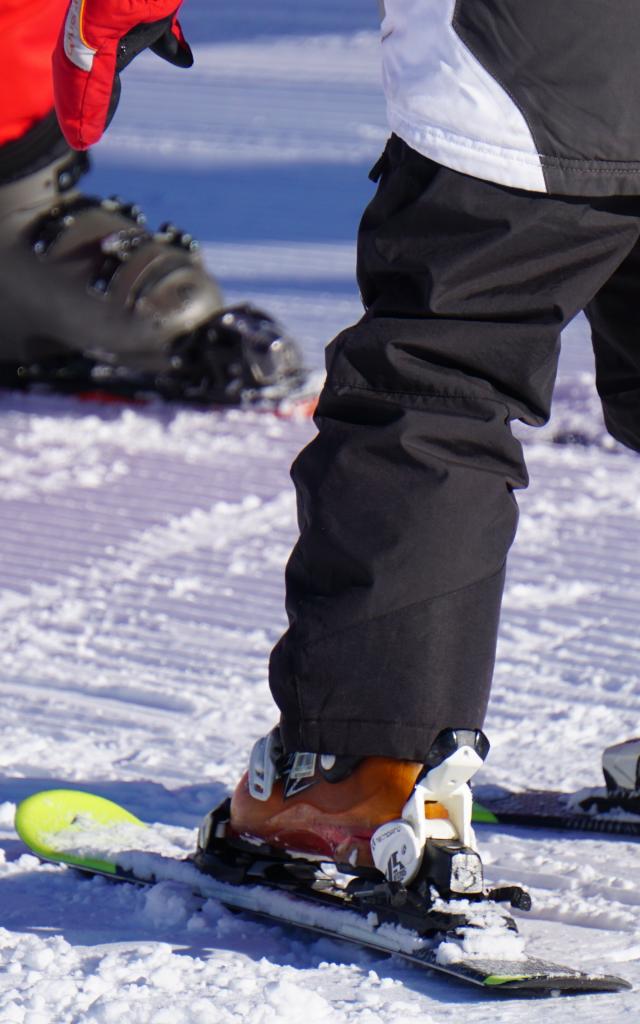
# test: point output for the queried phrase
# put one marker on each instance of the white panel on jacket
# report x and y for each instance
(443, 102)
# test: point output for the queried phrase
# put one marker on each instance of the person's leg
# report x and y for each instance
(615, 329)
(406, 504)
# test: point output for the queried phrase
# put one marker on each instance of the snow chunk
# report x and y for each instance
(39, 958)
(7, 814)
(165, 906)
(295, 1003)
(489, 943)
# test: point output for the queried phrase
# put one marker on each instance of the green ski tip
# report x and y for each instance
(504, 979)
(484, 816)
(42, 817)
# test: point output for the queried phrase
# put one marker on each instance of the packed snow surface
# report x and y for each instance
(141, 584)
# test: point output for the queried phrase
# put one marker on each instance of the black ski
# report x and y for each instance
(587, 811)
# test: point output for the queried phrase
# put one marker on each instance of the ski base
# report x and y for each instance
(98, 836)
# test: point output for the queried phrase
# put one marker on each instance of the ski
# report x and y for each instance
(613, 809)
(585, 811)
(454, 938)
(295, 403)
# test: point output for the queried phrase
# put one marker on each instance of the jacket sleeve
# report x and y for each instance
(97, 40)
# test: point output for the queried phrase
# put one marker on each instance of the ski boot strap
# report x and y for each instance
(269, 762)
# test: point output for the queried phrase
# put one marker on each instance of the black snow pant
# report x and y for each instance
(405, 497)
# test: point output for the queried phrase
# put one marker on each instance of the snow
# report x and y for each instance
(141, 557)
(488, 937)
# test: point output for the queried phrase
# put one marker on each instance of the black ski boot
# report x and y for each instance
(93, 301)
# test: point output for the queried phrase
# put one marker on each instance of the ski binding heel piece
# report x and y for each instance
(398, 847)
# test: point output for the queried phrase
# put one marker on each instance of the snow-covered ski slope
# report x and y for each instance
(141, 582)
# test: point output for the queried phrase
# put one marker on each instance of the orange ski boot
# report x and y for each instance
(363, 815)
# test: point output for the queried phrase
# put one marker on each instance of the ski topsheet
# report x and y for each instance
(584, 811)
(98, 836)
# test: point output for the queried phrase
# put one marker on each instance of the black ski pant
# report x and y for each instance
(405, 497)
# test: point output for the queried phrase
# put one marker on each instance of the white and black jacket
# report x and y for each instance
(536, 94)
